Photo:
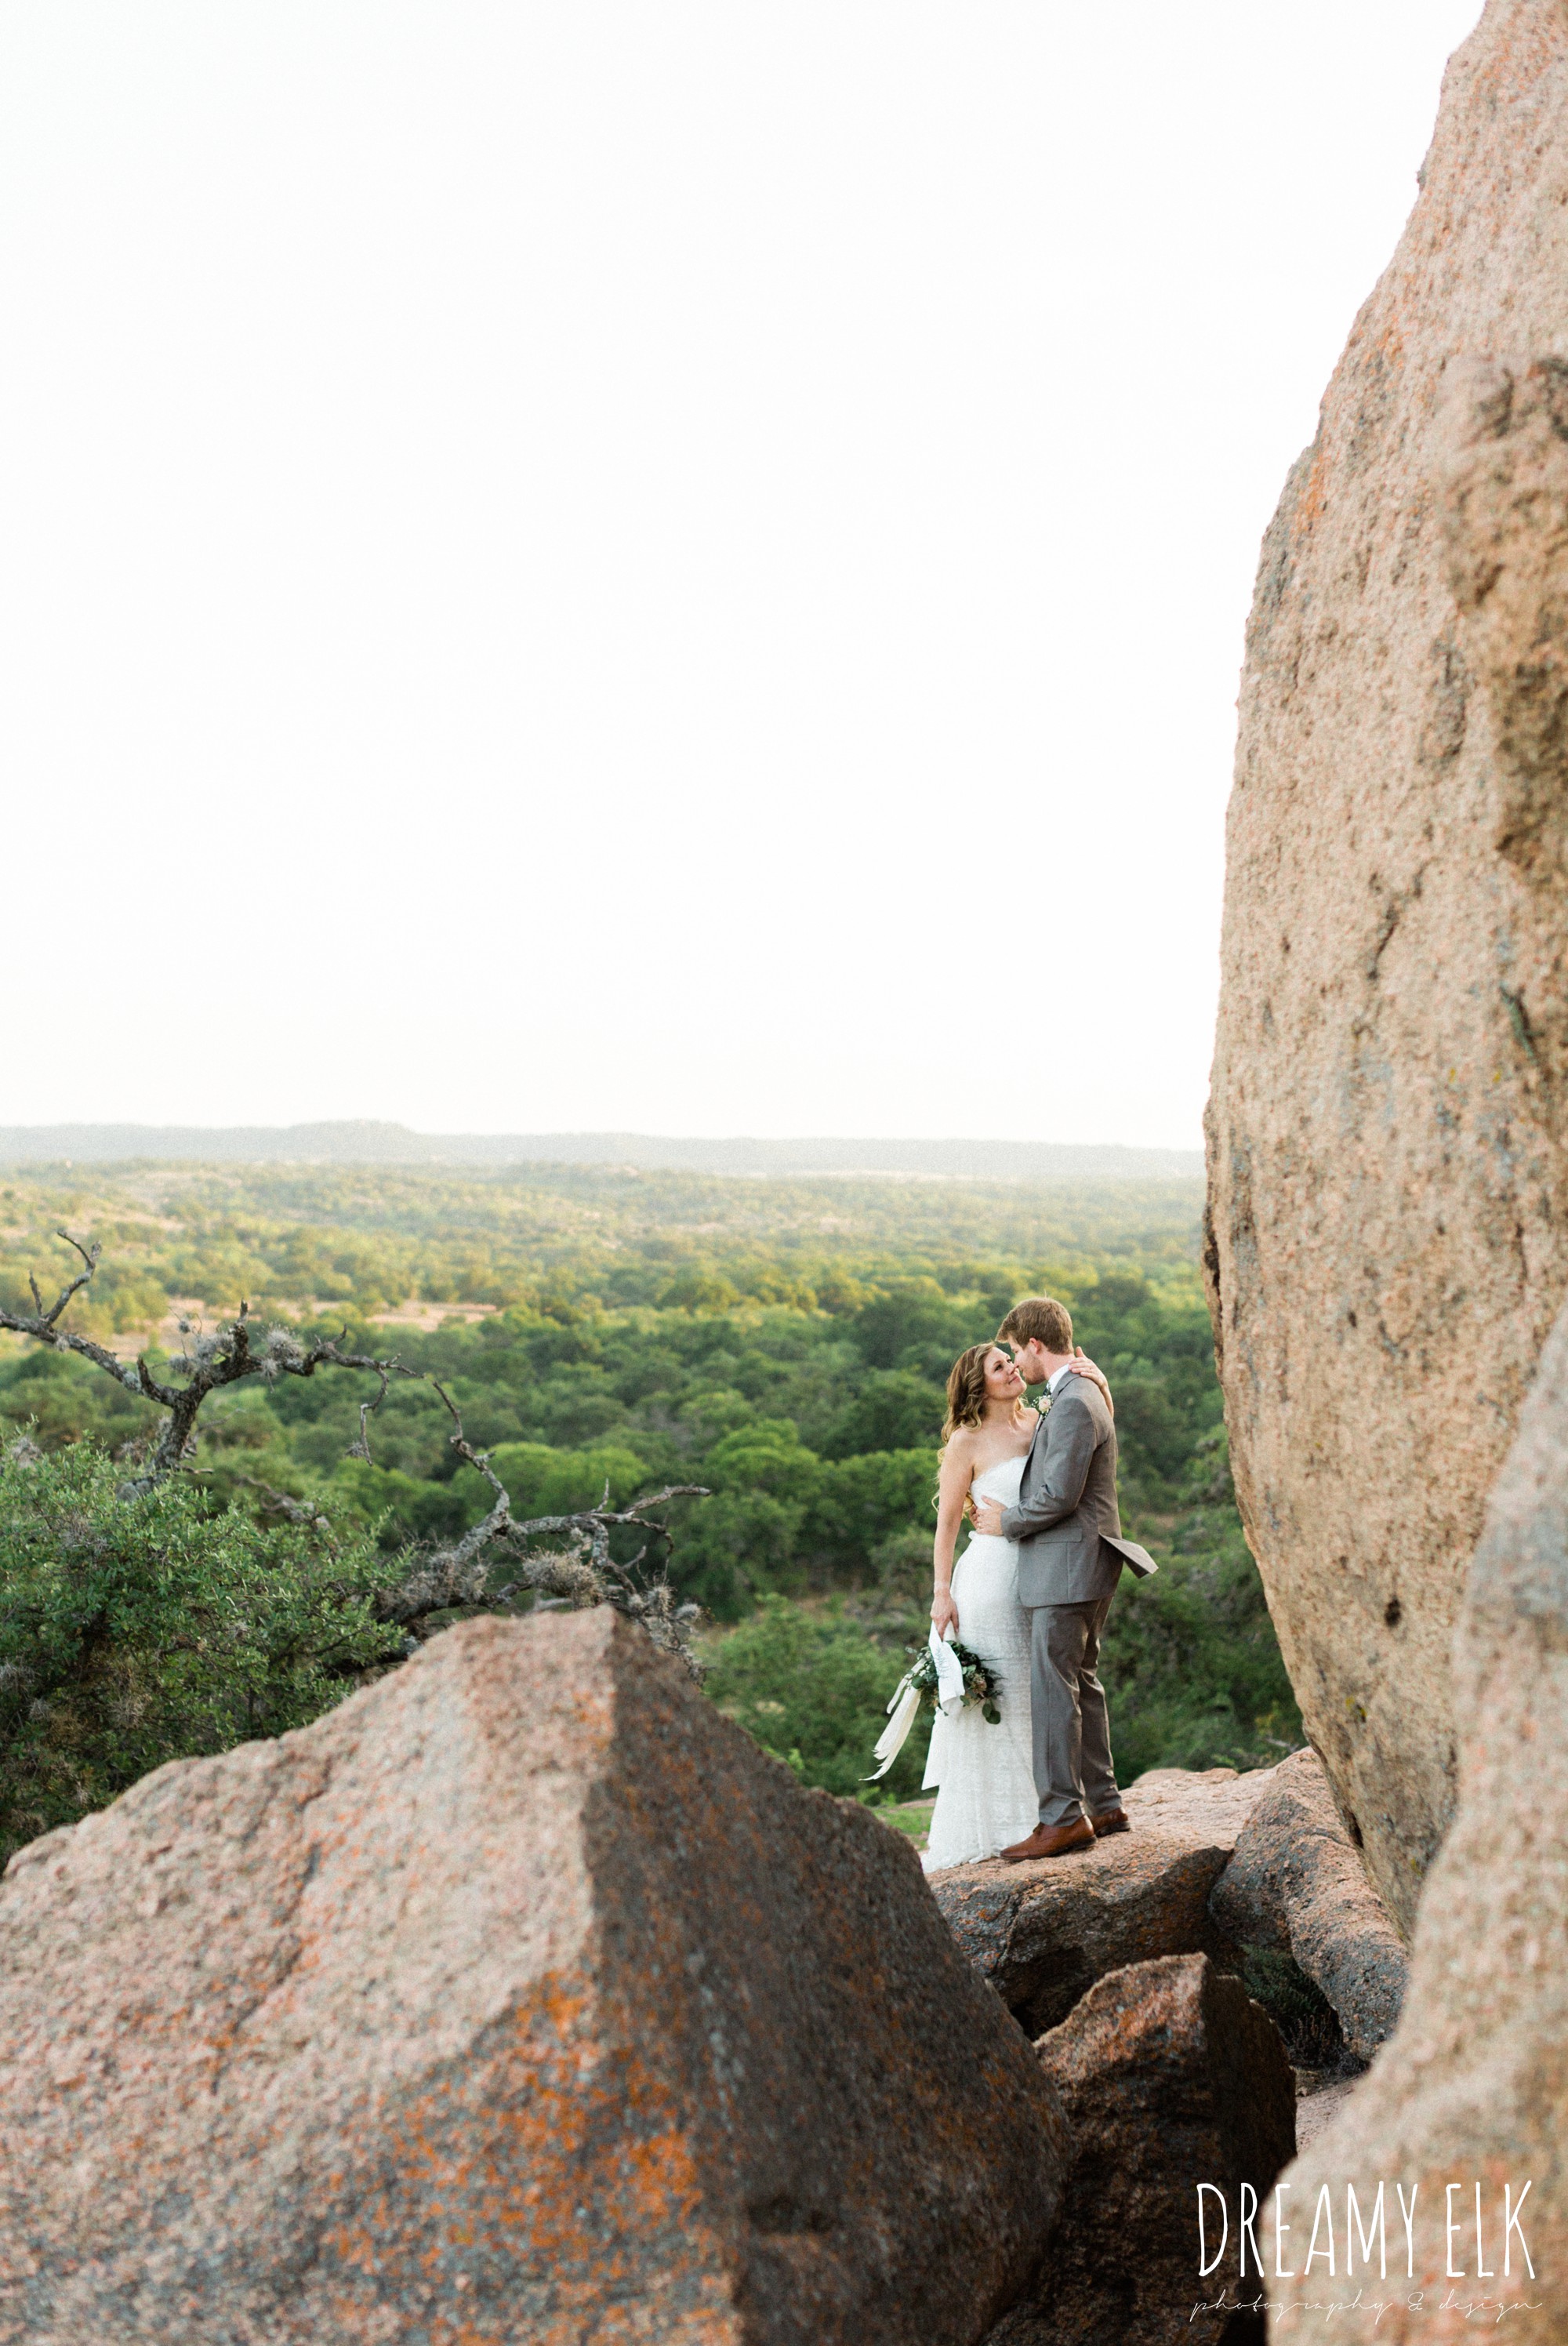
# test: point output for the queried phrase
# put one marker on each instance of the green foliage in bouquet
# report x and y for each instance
(981, 1683)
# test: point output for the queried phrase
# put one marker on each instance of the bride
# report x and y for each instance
(987, 1798)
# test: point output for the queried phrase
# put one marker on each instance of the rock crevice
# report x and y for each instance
(1295, 1884)
(1170, 2075)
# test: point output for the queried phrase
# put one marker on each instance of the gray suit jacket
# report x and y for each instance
(1066, 1523)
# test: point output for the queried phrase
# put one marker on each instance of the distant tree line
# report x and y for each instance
(808, 1403)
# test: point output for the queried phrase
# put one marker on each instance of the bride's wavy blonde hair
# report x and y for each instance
(966, 1388)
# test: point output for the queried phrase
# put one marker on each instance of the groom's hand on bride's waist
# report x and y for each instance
(988, 1516)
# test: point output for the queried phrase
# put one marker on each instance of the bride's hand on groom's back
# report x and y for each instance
(1083, 1366)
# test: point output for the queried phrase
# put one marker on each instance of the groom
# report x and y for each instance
(1070, 1555)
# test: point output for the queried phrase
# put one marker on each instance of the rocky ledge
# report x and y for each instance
(1216, 1863)
(475, 2011)
(1043, 1933)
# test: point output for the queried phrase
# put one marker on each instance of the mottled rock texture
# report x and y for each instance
(1389, 1184)
(1296, 1884)
(521, 1997)
(1317, 2111)
(1210, 1806)
(1171, 2077)
(1474, 2085)
(1043, 1933)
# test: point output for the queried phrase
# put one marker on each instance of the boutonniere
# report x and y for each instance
(1042, 1406)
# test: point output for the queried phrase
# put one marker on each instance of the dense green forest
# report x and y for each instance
(783, 1343)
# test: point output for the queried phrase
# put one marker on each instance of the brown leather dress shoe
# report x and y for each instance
(1052, 1841)
(1110, 1820)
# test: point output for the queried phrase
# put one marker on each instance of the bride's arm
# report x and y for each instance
(951, 1494)
(1083, 1366)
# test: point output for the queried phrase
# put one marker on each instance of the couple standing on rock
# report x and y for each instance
(1029, 1595)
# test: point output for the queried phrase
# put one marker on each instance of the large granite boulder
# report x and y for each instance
(1297, 1885)
(1389, 1184)
(1171, 2077)
(1472, 2091)
(522, 1996)
(1043, 1932)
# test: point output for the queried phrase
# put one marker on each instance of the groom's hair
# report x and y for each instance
(1038, 1319)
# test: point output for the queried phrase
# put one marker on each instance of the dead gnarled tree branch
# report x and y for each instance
(230, 1352)
(42, 1324)
(579, 1571)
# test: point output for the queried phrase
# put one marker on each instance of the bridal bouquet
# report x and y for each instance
(979, 1682)
(946, 1676)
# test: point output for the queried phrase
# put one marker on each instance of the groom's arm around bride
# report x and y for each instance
(1067, 1499)
(1067, 1521)
(1055, 1484)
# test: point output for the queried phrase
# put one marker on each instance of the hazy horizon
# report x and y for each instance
(371, 1142)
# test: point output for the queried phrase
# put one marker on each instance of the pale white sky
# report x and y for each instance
(669, 566)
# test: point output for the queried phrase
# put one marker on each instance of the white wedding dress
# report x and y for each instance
(986, 1774)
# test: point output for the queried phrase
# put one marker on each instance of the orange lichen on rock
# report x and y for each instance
(522, 1996)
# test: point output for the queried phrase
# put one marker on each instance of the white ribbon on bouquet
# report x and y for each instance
(904, 1707)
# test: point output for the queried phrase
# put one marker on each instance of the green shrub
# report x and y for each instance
(403, 1506)
(138, 1631)
(543, 1481)
(889, 1409)
(732, 1548)
(813, 1689)
(863, 1503)
(767, 1455)
(58, 1398)
(1298, 2009)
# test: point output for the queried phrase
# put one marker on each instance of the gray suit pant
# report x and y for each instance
(1073, 1771)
